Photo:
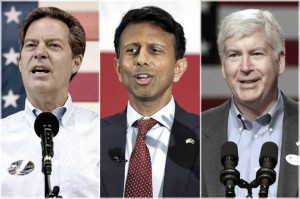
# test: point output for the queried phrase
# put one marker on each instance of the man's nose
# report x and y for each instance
(142, 58)
(246, 64)
(40, 51)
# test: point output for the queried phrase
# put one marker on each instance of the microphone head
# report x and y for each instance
(46, 119)
(229, 149)
(268, 150)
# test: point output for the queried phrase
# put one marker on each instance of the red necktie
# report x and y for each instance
(139, 178)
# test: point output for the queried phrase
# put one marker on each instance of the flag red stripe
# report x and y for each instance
(90, 23)
(207, 103)
(85, 87)
(291, 53)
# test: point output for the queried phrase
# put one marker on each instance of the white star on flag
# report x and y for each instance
(10, 99)
(11, 57)
(13, 15)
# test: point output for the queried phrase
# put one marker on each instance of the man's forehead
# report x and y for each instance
(259, 36)
(55, 29)
(47, 22)
(132, 33)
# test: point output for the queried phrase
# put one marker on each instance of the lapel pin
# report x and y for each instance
(21, 167)
(293, 159)
(190, 141)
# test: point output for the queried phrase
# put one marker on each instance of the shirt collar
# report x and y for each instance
(241, 121)
(164, 116)
(62, 113)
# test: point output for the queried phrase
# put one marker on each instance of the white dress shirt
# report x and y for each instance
(157, 141)
(76, 160)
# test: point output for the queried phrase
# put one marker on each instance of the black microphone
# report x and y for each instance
(229, 176)
(266, 175)
(117, 154)
(46, 127)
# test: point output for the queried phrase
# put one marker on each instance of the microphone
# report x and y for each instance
(116, 154)
(46, 127)
(229, 176)
(266, 175)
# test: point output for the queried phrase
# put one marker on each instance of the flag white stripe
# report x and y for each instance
(93, 106)
(71, 6)
(91, 58)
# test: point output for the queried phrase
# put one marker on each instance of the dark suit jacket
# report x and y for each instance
(214, 134)
(182, 164)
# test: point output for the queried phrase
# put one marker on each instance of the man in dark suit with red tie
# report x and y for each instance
(151, 149)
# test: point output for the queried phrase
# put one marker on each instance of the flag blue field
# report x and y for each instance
(13, 92)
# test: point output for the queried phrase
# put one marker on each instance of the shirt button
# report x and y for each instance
(271, 129)
(256, 136)
(241, 129)
(243, 118)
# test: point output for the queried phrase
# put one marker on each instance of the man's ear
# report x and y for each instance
(281, 63)
(19, 59)
(180, 67)
(118, 68)
(77, 60)
(223, 71)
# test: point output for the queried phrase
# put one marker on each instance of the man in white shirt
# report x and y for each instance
(52, 45)
(150, 46)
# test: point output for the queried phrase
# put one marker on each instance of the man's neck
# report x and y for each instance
(47, 102)
(256, 109)
(148, 108)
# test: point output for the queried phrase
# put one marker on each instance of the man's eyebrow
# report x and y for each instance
(231, 50)
(131, 44)
(149, 44)
(259, 48)
(156, 44)
(47, 40)
(251, 50)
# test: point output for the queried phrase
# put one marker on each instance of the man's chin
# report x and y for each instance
(247, 99)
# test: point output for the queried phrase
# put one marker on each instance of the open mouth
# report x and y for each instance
(142, 77)
(249, 81)
(40, 70)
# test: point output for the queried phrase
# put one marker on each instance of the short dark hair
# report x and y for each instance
(158, 17)
(77, 38)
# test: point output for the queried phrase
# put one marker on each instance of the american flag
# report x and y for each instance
(84, 88)
(187, 91)
(214, 89)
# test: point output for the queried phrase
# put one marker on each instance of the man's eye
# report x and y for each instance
(233, 55)
(54, 45)
(29, 45)
(132, 50)
(257, 53)
(155, 50)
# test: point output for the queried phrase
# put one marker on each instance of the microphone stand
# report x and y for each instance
(245, 185)
(47, 169)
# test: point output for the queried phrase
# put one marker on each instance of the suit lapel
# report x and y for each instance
(113, 141)
(214, 134)
(288, 174)
(181, 157)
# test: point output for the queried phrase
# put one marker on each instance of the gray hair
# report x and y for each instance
(241, 23)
